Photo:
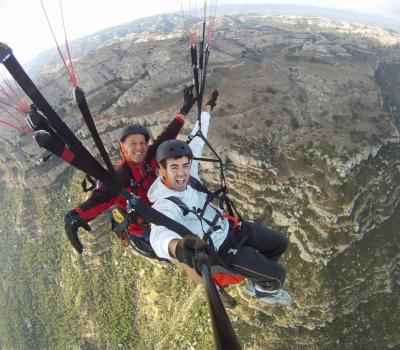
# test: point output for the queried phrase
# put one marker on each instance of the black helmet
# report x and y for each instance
(172, 149)
(134, 129)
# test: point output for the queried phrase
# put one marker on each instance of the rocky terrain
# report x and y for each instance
(307, 121)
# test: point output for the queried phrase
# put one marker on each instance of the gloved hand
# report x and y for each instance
(188, 100)
(213, 99)
(72, 222)
(186, 249)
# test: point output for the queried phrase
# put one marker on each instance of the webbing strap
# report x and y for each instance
(212, 224)
(224, 199)
(87, 116)
(206, 159)
(137, 184)
(152, 215)
(56, 147)
(220, 194)
(23, 80)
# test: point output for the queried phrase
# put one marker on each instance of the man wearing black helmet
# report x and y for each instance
(136, 172)
(246, 248)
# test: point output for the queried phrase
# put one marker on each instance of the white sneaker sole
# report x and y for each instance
(282, 298)
(250, 292)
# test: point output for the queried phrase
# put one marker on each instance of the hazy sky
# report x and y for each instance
(24, 28)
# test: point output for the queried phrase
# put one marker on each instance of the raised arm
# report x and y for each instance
(170, 132)
(197, 144)
(173, 129)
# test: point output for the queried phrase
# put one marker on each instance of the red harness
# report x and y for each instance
(225, 279)
(234, 223)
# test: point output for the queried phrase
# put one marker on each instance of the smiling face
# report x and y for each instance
(136, 147)
(178, 172)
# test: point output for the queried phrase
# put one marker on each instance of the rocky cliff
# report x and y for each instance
(307, 122)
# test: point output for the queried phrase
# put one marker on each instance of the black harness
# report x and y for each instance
(134, 184)
(199, 212)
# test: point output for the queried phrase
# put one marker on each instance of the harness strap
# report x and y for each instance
(220, 194)
(233, 220)
(186, 210)
(197, 185)
(80, 99)
(149, 171)
(180, 204)
(211, 252)
(212, 224)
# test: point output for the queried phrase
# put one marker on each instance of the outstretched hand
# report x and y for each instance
(188, 100)
(186, 250)
(72, 222)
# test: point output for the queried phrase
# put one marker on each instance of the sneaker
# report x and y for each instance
(266, 296)
(250, 288)
(279, 297)
(228, 301)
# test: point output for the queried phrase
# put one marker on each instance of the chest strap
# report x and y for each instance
(199, 213)
(134, 183)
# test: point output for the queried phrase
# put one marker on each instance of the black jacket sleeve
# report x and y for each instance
(170, 132)
(102, 198)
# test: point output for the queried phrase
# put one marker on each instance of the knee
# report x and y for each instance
(281, 242)
(284, 242)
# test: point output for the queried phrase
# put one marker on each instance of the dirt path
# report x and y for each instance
(178, 321)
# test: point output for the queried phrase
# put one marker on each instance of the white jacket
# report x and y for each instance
(158, 192)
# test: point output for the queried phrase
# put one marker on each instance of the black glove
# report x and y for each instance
(188, 100)
(213, 99)
(186, 249)
(72, 222)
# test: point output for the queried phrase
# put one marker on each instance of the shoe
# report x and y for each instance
(228, 301)
(266, 296)
(279, 297)
(250, 288)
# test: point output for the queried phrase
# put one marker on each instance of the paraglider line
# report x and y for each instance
(71, 77)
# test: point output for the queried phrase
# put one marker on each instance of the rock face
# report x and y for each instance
(307, 121)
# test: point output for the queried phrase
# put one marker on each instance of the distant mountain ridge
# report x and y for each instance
(301, 10)
(167, 23)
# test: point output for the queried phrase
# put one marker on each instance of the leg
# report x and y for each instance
(265, 277)
(248, 262)
(270, 243)
(257, 259)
